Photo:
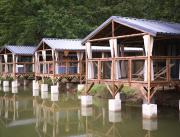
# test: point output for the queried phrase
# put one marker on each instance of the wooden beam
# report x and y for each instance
(118, 37)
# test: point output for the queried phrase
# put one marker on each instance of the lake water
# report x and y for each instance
(46, 115)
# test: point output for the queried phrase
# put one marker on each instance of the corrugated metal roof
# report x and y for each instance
(63, 44)
(68, 44)
(152, 27)
(75, 44)
(21, 50)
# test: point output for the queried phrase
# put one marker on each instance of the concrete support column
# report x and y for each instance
(54, 89)
(14, 84)
(114, 105)
(35, 84)
(5, 83)
(149, 111)
(44, 87)
(86, 100)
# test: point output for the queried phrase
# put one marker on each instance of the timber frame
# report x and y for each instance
(110, 31)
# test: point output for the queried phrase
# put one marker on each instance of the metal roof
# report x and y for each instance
(68, 44)
(75, 44)
(151, 27)
(21, 50)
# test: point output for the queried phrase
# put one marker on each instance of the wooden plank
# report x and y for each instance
(118, 37)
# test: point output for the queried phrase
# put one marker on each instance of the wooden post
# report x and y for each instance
(149, 74)
(168, 71)
(53, 64)
(113, 62)
(14, 66)
(130, 71)
(86, 58)
(99, 71)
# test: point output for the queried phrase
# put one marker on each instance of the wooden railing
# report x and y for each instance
(27, 67)
(166, 69)
(65, 67)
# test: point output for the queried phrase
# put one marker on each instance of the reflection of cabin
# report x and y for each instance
(14, 110)
(17, 61)
(62, 58)
(159, 64)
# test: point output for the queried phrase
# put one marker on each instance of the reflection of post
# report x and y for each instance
(15, 106)
(149, 125)
(67, 122)
(104, 115)
(6, 107)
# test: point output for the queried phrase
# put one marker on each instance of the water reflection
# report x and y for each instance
(57, 115)
(12, 108)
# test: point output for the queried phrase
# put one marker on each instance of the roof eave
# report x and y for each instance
(114, 18)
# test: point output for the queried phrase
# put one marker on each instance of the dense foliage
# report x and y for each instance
(27, 21)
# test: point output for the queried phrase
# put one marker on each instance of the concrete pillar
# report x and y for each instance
(54, 96)
(115, 117)
(80, 87)
(86, 100)
(35, 84)
(14, 84)
(150, 124)
(5, 83)
(86, 111)
(35, 92)
(54, 89)
(44, 87)
(14, 90)
(6, 89)
(44, 95)
(149, 111)
(114, 105)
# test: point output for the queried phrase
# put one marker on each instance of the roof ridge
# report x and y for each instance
(150, 20)
(62, 39)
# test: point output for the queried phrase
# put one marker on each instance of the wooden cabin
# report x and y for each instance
(17, 61)
(160, 63)
(63, 59)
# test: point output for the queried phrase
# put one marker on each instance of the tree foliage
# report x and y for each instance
(27, 21)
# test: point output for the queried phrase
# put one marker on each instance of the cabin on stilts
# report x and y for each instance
(63, 59)
(17, 61)
(158, 66)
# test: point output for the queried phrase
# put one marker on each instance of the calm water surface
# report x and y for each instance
(46, 115)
